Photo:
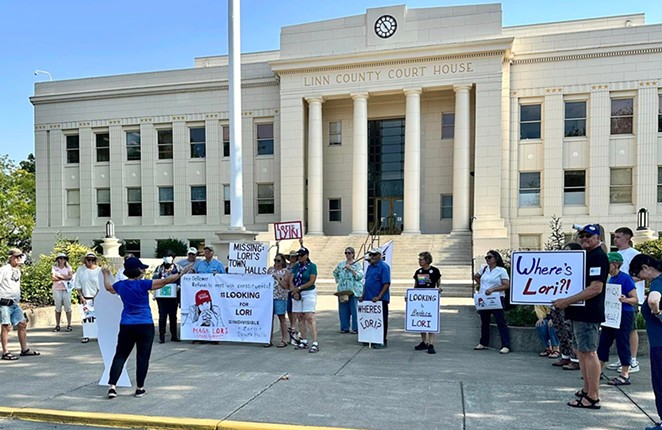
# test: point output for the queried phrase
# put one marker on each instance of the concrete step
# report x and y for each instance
(458, 288)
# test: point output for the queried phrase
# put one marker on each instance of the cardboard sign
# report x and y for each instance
(248, 257)
(371, 322)
(387, 255)
(88, 319)
(422, 310)
(540, 277)
(613, 307)
(641, 291)
(483, 302)
(288, 230)
(169, 291)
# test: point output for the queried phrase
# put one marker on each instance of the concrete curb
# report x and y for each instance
(142, 421)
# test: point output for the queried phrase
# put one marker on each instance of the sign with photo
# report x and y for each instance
(422, 310)
(169, 291)
(483, 302)
(88, 319)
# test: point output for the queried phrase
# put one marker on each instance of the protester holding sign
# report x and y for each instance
(349, 276)
(628, 298)
(304, 295)
(586, 320)
(168, 304)
(87, 281)
(136, 324)
(648, 268)
(281, 289)
(493, 278)
(426, 276)
(376, 288)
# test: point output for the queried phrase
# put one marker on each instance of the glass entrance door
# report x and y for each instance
(390, 214)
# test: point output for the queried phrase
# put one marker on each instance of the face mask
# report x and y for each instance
(21, 259)
(167, 260)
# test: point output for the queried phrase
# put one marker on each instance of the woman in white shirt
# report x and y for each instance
(87, 281)
(493, 278)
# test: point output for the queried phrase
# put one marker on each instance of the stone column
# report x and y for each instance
(461, 159)
(360, 165)
(412, 197)
(315, 167)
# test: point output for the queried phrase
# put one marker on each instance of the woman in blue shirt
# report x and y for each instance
(136, 324)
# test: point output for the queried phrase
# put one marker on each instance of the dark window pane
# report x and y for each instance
(197, 135)
(197, 150)
(265, 131)
(621, 107)
(575, 127)
(166, 194)
(133, 145)
(575, 178)
(530, 113)
(166, 209)
(164, 138)
(103, 210)
(265, 207)
(135, 209)
(199, 208)
(334, 204)
(575, 110)
(621, 125)
(265, 147)
(198, 193)
(335, 216)
(530, 130)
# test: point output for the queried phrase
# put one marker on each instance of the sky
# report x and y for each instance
(88, 38)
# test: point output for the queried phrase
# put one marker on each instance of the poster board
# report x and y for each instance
(169, 291)
(422, 310)
(613, 306)
(387, 255)
(371, 321)
(88, 319)
(483, 302)
(288, 230)
(248, 257)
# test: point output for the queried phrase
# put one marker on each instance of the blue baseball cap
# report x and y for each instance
(134, 263)
(591, 229)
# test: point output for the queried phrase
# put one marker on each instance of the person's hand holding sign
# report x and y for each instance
(561, 303)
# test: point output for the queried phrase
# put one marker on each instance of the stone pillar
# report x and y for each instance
(315, 167)
(412, 197)
(292, 168)
(461, 159)
(360, 165)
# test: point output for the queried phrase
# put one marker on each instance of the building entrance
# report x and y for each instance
(386, 155)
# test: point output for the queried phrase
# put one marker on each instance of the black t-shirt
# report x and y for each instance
(597, 269)
(427, 278)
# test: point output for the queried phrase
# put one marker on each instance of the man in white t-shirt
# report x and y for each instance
(623, 241)
(11, 313)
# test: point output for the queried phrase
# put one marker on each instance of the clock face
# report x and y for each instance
(385, 26)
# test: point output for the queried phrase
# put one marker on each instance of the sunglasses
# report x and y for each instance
(489, 257)
(348, 252)
(277, 260)
(90, 259)
(584, 235)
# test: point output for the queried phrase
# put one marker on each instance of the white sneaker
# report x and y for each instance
(615, 365)
(504, 350)
(633, 369)
(480, 347)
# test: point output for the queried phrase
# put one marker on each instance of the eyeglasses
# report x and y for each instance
(276, 260)
(584, 235)
(348, 252)
(91, 259)
(489, 257)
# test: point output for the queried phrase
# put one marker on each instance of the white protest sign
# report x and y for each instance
(613, 306)
(288, 230)
(540, 277)
(371, 322)
(88, 319)
(248, 257)
(483, 302)
(108, 308)
(422, 310)
(641, 291)
(222, 307)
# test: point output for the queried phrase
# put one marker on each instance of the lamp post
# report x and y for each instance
(642, 219)
(44, 72)
(110, 229)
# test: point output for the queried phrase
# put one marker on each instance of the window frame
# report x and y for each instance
(133, 149)
(443, 209)
(71, 204)
(132, 246)
(102, 150)
(165, 150)
(259, 141)
(659, 184)
(613, 117)
(578, 119)
(201, 205)
(103, 207)
(165, 204)
(616, 187)
(528, 121)
(335, 136)
(226, 142)
(448, 126)
(227, 200)
(522, 191)
(570, 189)
(335, 214)
(134, 208)
(198, 149)
(72, 153)
(266, 200)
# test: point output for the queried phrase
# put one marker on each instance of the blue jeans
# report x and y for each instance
(347, 310)
(547, 334)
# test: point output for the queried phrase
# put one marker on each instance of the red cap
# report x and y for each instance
(201, 297)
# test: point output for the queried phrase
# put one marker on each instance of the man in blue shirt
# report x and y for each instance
(377, 284)
(209, 264)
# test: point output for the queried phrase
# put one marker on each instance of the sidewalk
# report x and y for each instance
(344, 385)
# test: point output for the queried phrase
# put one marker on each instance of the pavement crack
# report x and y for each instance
(464, 412)
(348, 361)
(284, 376)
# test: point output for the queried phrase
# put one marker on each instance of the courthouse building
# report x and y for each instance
(432, 121)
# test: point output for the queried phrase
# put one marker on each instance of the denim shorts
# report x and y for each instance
(586, 336)
(280, 307)
(11, 315)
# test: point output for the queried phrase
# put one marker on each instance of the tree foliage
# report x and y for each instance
(172, 244)
(556, 240)
(17, 205)
(652, 248)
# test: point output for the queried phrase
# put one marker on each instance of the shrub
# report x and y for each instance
(521, 316)
(174, 245)
(652, 248)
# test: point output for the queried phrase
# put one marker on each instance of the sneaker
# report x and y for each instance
(421, 346)
(112, 393)
(431, 349)
(140, 392)
(615, 365)
(504, 350)
(302, 345)
(571, 366)
(480, 347)
(633, 369)
(379, 346)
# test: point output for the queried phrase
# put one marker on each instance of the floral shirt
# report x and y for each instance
(348, 281)
(279, 292)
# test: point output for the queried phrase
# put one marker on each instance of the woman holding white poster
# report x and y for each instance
(493, 278)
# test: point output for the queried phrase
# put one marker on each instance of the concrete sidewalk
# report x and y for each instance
(344, 385)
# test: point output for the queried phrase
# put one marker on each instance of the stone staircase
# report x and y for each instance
(450, 253)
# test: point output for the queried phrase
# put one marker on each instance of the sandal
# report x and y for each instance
(85, 340)
(9, 356)
(554, 354)
(313, 349)
(268, 345)
(69, 328)
(302, 345)
(545, 353)
(579, 403)
(281, 344)
(29, 352)
(581, 393)
(57, 328)
(619, 380)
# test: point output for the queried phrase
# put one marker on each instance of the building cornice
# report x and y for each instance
(585, 55)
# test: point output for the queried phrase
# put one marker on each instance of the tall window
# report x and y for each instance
(529, 189)
(530, 121)
(135, 201)
(659, 184)
(575, 119)
(659, 114)
(164, 144)
(265, 198)
(199, 200)
(226, 140)
(448, 125)
(620, 185)
(335, 210)
(529, 242)
(574, 187)
(335, 133)
(265, 139)
(73, 203)
(73, 149)
(446, 206)
(622, 114)
(197, 140)
(132, 145)
(166, 201)
(103, 202)
(132, 246)
(226, 199)
(103, 147)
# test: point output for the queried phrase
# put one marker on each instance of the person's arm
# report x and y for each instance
(594, 289)
(654, 302)
(55, 276)
(505, 285)
(386, 279)
(631, 297)
(106, 281)
(358, 270)
(310, 283)
(160, 283)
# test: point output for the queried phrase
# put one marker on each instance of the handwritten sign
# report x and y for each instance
(483, 302)
(222, 307)
(613, 306)
(371, 322)
(288, 230)
(248, 257)
(422, 310)
(540, 277)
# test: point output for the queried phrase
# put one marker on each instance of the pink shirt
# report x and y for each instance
(66, 272)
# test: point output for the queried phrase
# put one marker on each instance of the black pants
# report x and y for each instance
(500, 317)
(167, 309)
(140, 335)
(385, 307)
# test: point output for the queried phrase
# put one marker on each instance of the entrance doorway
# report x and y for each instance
(386, 156)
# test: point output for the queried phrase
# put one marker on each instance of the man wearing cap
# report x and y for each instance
(11, 313)
(209, 264)
(191, 258)
(586, 320)
(376, 287)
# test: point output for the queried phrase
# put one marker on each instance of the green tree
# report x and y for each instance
(17, 205)
(557, 238)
